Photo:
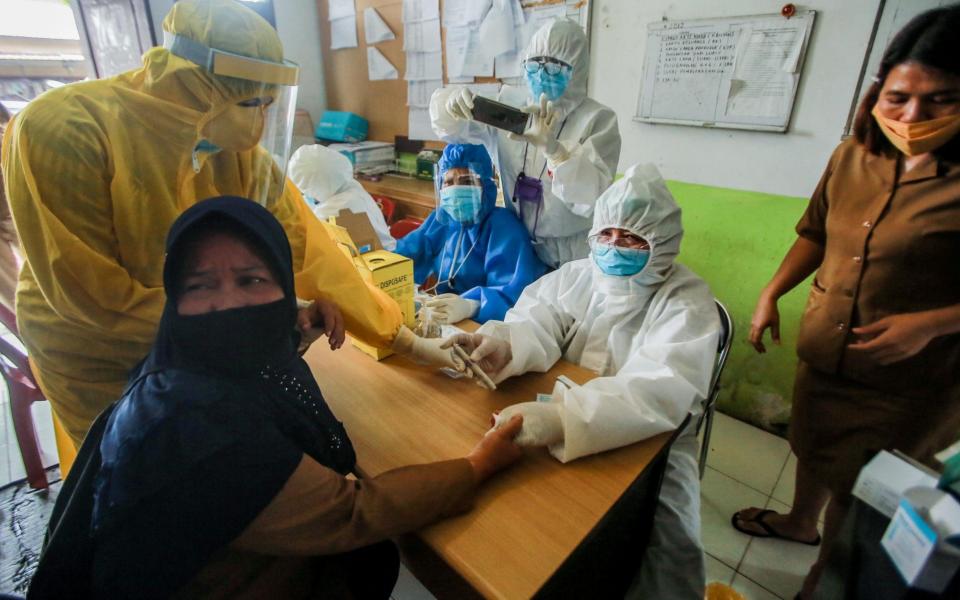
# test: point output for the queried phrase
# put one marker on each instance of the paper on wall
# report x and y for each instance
(763, 77)
(496, 30)
(459, 79)
(337, 9)
(418, 125)
(420, 10)
(419, 92)
(540, 16)
(460, 13)
(424, 65)
(422, 36)
(378, 67)
(487, 90)
(343, 32)
(375, 29)
(465, 54)
(508, 65)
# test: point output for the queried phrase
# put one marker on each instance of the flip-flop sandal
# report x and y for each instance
(768, 531)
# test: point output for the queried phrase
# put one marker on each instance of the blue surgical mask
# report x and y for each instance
(553, 86)
(461, 202)
(618, 260)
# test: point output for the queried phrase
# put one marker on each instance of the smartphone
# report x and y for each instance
(499, 115)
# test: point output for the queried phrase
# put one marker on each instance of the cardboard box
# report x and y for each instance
(393, 274)
(360, 230)
(921, 539)
(341, 126)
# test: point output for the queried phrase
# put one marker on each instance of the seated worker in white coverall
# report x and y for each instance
(325, 178)
(649, 328)
(550, 175)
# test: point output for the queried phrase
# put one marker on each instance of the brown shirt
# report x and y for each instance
(319, 512)
(891, 246)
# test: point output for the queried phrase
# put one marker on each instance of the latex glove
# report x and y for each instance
(541, 131)
(427, 351)
(491, 354)
(542, 425)
(460, 104)
(451, 308)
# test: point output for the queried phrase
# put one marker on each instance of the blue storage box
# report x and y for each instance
(341, 126)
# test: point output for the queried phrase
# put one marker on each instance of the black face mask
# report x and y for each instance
(239, 342)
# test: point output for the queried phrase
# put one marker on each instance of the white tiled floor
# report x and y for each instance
(746, 466)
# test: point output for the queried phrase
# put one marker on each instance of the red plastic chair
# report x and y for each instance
(24, 391)
(387, 206)
(404, 226)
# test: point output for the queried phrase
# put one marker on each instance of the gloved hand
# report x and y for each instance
(427, 351)
(460, 104)
(491, 354)
(451, 308)
(542, 425)
(541, 131)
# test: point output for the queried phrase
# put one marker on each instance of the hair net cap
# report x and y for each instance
(225, 25)
(641, 204)
(319, 171)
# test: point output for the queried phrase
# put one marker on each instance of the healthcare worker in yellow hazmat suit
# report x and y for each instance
(97, 171)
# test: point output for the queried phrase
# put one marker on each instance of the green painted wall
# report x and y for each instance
(735, 240)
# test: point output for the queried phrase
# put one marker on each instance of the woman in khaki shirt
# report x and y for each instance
(221, 472)
(879, 342)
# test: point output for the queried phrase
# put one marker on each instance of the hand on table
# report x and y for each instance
(451, 308)
(542, 425)
(496, 449)
(320, 317)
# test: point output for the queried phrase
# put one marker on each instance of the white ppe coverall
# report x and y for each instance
(325, 177)
(588, 132)
(652, 337)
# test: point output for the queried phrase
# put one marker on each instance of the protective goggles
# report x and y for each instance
(551, 65)
(624, 242)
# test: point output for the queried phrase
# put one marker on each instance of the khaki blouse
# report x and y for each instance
(891, 245)
(319, 512)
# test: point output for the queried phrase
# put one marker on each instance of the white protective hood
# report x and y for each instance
(641, 203)
(564, 40)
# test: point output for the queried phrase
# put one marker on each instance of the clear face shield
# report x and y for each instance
(459, 194)
(260, 120)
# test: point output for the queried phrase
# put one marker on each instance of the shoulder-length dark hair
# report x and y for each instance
(931, 39)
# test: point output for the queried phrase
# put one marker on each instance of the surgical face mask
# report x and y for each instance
(461, 202)
(541, 81)
(918, 138)
(616, 260)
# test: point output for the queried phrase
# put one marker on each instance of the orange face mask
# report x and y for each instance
(918, 138)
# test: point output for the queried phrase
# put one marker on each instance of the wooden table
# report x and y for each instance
(540, 528)
(414, 197)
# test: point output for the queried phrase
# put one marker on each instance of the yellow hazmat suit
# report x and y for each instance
(96, 173)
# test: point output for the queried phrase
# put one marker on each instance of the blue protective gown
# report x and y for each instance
(501, 264)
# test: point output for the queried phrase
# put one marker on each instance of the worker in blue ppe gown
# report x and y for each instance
(475, 256)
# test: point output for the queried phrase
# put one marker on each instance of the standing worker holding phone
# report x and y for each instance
(552, 173)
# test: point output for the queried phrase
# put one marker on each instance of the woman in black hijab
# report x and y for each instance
(220, 471)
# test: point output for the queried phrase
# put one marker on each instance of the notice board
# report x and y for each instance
(734, 72)
(384, 103)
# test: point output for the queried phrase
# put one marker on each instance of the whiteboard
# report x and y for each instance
(733, 72)
(892, 15)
